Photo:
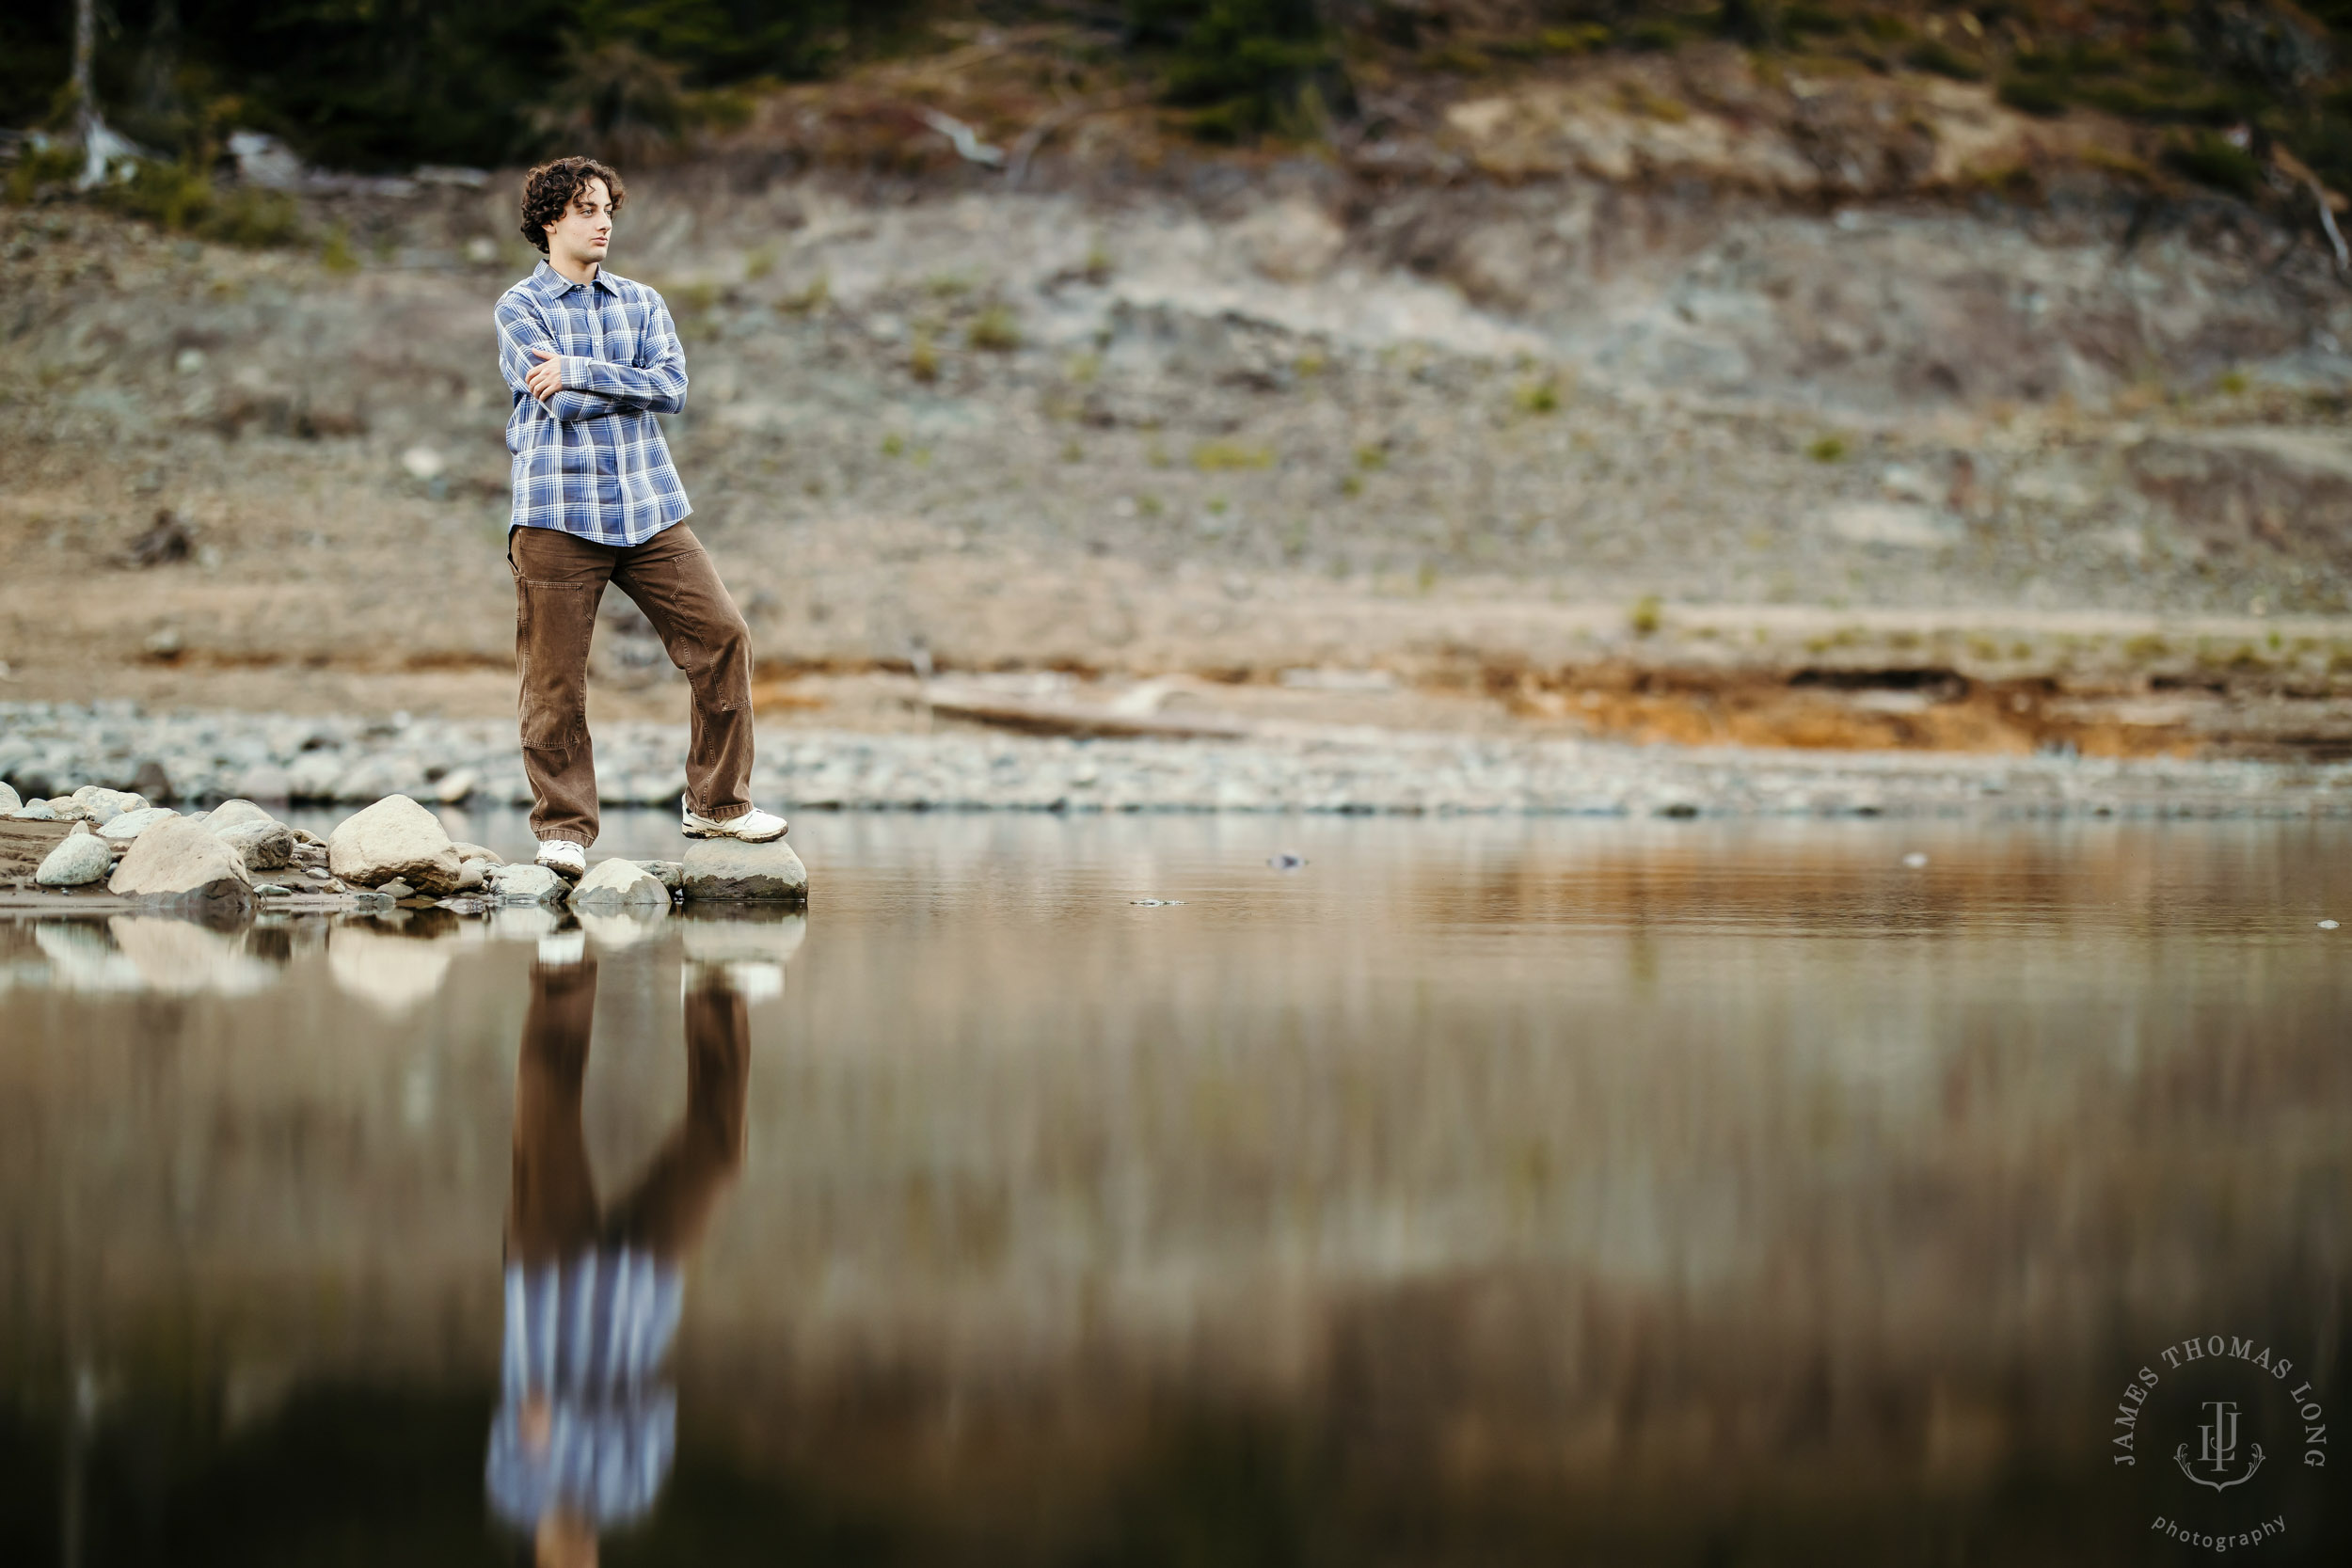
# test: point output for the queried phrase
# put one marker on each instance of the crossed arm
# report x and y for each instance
(575, 387)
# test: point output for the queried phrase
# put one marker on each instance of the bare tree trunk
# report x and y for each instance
(84, 45)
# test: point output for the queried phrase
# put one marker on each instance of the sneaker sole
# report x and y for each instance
(705, 832)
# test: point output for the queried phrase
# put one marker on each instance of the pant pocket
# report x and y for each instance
(553, 623)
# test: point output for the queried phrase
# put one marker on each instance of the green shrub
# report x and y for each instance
(1944, 61)
(1537, 397)
(2209, 160)
(2034, 95)
(1216, 456)
(178, 197)
(1242, 67)
(48, 166)
(172, 196)
(994, 332)
(254, 218)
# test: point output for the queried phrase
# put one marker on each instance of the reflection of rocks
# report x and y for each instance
(527, 923)
(616, 884)
(394, 838)
(177, 862)
(617, 926)
(179, 957)
(735, 939)
(154, 954)
(392, 973)
(81, 958)
(78, 860)
(747, 956)
(721, 870)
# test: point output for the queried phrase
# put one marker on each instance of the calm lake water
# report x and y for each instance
(1480, 1192)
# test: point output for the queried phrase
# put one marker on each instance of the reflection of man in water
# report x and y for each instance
(587, 1424)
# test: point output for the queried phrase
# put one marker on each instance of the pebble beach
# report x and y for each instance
(51, 749)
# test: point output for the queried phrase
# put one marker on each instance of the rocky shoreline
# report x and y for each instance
(50, 750)
(224, 860)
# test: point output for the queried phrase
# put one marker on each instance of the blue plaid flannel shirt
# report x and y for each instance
(590, 461)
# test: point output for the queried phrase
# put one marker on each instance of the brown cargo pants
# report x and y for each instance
(559, 582)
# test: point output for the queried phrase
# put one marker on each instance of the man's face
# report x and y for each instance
(586, 229)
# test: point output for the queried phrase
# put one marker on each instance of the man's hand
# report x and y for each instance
(545, 380)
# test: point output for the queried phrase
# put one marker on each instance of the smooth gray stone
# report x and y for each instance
(76, 861)
(724, 870)
(105, 805)
(177, 861)
(526, 884)
(618, 884)
(230, 814)
(394, 839)
(265, 846)
(673, 873)
(125, 826)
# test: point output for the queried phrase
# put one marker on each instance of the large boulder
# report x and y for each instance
(78, 861)
(394, 839)
(177, 861)
(618, 884)
(725, 870)
(123, 827)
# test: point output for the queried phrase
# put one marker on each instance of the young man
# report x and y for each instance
(592, 359)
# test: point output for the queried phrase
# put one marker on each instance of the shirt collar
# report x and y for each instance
(554, 285)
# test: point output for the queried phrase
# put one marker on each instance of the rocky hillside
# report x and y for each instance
(1675, 394)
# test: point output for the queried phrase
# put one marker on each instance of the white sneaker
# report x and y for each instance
(753, 982)
(753, 827)
(565, 858)
(563, 947)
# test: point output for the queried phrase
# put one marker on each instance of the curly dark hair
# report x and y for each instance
(549, 190)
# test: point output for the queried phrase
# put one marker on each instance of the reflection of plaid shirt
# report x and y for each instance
(589, 1336)
(590, 461)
